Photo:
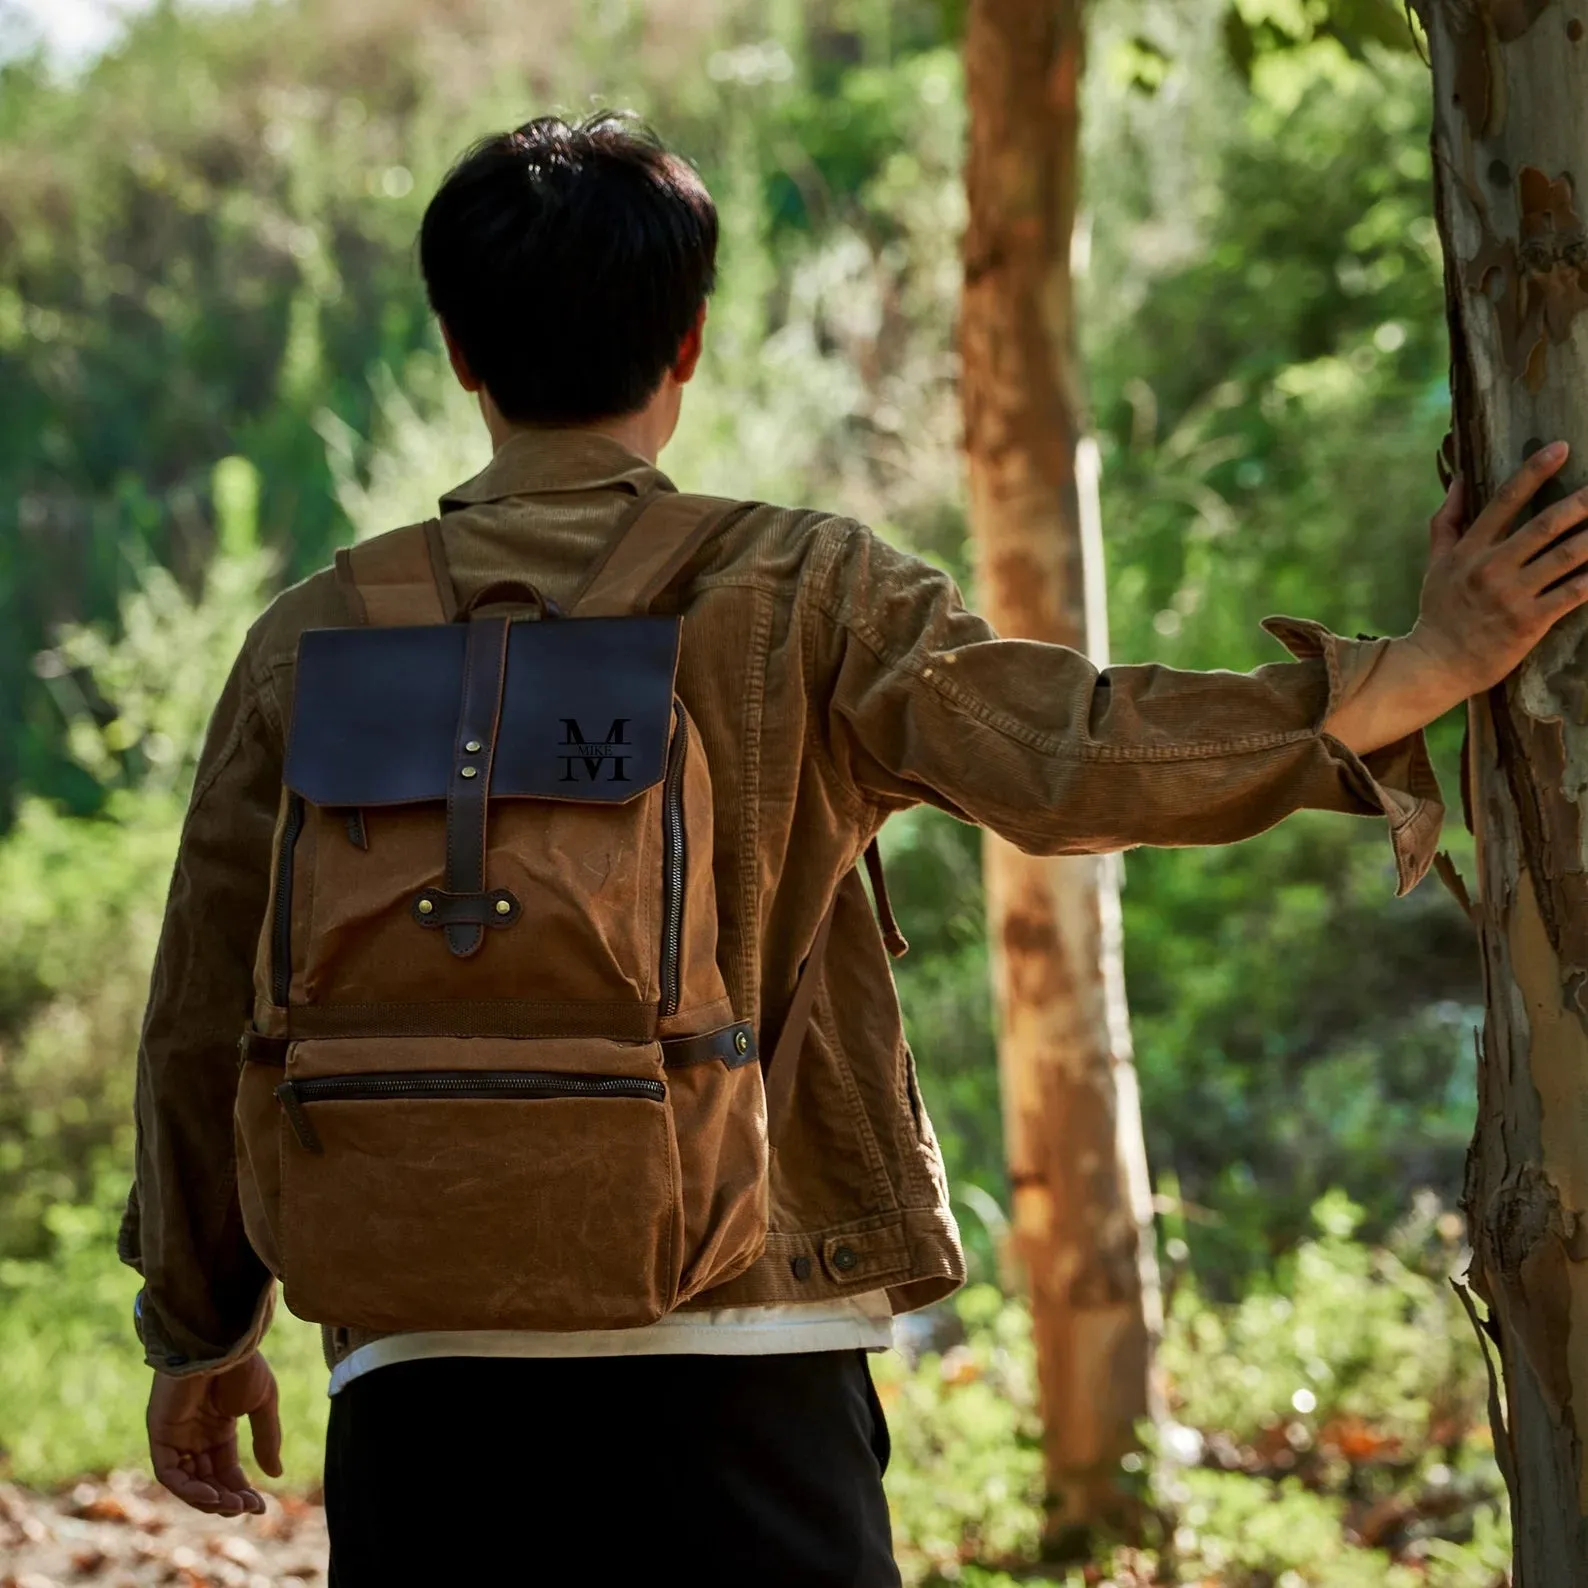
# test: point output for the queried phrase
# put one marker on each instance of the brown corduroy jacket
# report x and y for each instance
(834, 680)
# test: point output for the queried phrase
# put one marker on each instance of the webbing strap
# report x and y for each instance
(649, 552)
(399, 579)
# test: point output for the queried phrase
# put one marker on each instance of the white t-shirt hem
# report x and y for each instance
(859, 1323)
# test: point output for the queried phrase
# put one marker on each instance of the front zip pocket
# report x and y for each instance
(451, 1084)
(475, 1183)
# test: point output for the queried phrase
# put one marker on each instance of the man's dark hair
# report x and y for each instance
(568, 261)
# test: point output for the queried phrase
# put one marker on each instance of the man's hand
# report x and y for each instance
(1489, 597)
(193, 1435)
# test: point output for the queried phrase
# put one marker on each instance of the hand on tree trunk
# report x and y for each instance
(1489, 597)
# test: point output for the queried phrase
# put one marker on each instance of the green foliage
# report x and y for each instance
(85, 895)
(1253, 29)
(73, 1394)
(965, 1482)
(1344, 1398)
(1340, 1337)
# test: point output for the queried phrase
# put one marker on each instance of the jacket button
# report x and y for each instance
(801, 1267)
(472, 747)
(844, 1258)
(741, 1042)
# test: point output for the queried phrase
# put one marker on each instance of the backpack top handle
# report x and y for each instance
(402, 578)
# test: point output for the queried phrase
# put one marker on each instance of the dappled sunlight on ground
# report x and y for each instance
(127, 1532)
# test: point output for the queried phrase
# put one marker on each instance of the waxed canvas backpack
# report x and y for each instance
(493, 1078)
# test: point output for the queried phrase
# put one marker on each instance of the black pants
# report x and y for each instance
(704, 1471)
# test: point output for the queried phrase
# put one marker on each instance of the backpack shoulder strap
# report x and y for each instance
(663, 531)
(398, 579)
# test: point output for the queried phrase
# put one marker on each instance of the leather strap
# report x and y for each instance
(732, 1046)
(436, 908)
(256, 1048)
(398, 579)
(897, 944)
(474, 751)
(781, 1071)
(665, 531)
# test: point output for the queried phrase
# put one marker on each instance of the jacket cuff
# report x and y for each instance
(1397, 780)
(164, 1357)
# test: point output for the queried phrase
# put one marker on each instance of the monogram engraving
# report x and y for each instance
(580, 753)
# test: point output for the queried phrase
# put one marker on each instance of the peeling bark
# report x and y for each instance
(1510, 126)
(1082, 1206)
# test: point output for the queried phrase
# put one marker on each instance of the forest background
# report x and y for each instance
(216, 366)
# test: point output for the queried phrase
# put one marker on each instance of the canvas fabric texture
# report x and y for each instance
(494, 1080)
(833, 680)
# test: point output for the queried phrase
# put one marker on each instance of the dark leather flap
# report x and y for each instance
(587, 708)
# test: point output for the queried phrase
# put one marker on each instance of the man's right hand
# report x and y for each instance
(193, 1435)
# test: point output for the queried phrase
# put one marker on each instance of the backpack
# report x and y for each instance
(494, 1079)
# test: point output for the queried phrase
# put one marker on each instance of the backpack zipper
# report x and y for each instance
(281, 917)
(432, 1084)
(673, 863)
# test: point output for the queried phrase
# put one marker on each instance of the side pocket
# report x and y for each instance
(256, 1124)
(719, 1120)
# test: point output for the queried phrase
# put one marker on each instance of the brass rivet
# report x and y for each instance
(741, 1042)
(470, 771)
(472, 747)
(504, 906)
(427, 906)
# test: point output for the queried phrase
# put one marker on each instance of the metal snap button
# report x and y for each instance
(504, 906)
(472, 747)
(470, 771)
(741, 1042)
(427, 906)
(844, 1258)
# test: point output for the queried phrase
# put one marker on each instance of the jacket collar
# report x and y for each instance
(530, 462)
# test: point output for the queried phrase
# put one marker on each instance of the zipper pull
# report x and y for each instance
(308, 1139)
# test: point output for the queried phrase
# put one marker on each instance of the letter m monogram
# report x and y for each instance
(586, 756)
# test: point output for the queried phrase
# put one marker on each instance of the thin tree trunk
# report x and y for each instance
(1510, 140)
(1082, 1206)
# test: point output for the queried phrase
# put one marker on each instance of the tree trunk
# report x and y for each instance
(1510, 134)
(1077, 1167)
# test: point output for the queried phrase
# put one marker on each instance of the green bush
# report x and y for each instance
(1344, 1395)
(74, 1389)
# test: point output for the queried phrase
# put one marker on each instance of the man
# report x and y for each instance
(834, 680)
